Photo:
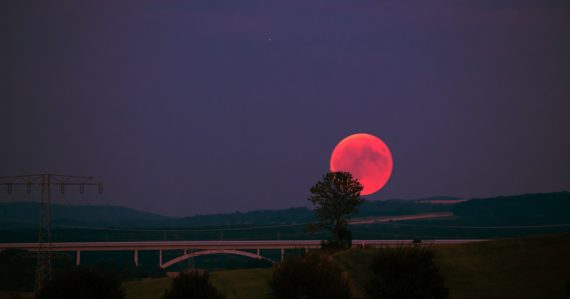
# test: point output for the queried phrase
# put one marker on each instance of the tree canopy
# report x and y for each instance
(336, 199)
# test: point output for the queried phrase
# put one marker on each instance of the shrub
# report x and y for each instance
(312, 276)
(406, 273)
(17, 268)
(192, 284)
(82, 283)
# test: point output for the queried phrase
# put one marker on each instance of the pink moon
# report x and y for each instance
(367, 158)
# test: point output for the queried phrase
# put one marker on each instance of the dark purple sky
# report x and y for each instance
(202, 106)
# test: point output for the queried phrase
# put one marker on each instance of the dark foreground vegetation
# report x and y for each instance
(83, 283)
(406, 273)
(313, 275)
(17, 269)
(395, 273)
(192, 285)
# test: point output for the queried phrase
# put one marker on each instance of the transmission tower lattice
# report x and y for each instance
(46, 181)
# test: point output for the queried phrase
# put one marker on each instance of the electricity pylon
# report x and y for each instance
(46, 181)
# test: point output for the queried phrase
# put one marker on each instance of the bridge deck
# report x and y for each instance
(181, 245)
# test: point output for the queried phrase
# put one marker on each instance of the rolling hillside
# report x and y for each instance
(24, 214)
(510, 216)
(527, 268)
(536, 267)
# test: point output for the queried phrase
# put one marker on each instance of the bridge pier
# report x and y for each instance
(258, 255)
(136, 257)
(160, 258)
(282, 254)
(78, 257)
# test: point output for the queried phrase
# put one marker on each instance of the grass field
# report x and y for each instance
(152, 288)
(16, 295)
(532, 268)
(237, 284)
(513, 268)
(234, 284)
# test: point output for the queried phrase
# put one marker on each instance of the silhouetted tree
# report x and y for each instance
(82, 283)
(192, 285)
(336, 199)
(312, 276)
(406, 273)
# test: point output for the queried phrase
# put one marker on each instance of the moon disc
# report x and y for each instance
(367, 158)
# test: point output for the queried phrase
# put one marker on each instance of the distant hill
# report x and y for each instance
(548, 208)
(402, 207)
(528, 209)
(303, 215)
(259, 217)
(25, 214)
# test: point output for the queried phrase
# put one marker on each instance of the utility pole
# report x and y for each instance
(46, 181)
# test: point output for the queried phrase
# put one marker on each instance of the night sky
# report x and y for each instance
(207, 106)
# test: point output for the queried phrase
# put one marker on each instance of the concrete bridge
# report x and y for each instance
(197, 248)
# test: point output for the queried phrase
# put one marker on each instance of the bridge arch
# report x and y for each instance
(213, 251)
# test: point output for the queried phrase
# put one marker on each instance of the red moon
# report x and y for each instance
(367, 158)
